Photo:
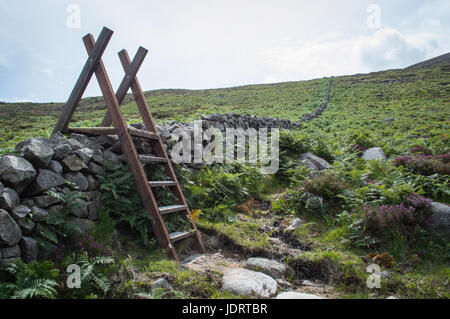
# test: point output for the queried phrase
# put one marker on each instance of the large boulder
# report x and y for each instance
(10, 232)
(29, 248)
(374, 153)
(45, 201)
(10, 252)
(93, 211)
(56, 167)
(105, 140)
(22, 215)
(440, 221)
(61, 151)
(74, 144)
(297, 295)
(38, 151)
(8, 199)
(58, 138)
(20, 212)
(73, 163)
(97, 157)
(249, 283)
(79, 180)
(38, 215)
(116, 148)
(314, 162)
(85, 154)
(83, 139)
(110, 157)
(95, 169)
(79, 208)
(16, 172)
(92, 182)
(84, 225)
(44, 181)
(272, 268)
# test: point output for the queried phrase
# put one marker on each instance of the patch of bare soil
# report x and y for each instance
(213, 262)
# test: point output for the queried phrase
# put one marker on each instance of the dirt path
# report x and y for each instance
(223, 259)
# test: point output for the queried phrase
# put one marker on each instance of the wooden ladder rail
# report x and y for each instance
(130, 152)
(80, 87)
(160, 151)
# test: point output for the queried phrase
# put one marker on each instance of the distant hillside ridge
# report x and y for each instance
(445, 58)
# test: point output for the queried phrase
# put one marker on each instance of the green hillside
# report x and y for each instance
(353, 214)
(418, 100)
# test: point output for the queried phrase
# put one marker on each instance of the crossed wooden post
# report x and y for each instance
(114, 115)
(95, 64)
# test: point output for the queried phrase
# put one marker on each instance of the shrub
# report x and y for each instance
(322, 150)
(419, 149)
(220, 213)
(362, 139)
(219, 189)
(425, 164)
(294, 142)
(405, 219)
(327, 185)
(104, 228)
(218, 186)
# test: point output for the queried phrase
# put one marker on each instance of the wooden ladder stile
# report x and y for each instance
(136, 162)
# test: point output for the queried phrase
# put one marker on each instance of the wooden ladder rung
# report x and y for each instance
(143, 133)
(162, 183)
(113, 131)
(172, 209)
(177, 236)
(152, 159)
(93, 130)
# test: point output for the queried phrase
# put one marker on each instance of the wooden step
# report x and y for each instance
(162, 183)
(171, 209)
(152, 159)
(113, 131)
(177, 236)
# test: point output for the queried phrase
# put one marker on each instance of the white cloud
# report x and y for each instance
(30, 98)
(335, 55)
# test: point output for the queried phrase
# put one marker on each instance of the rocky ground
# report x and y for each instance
(257, 276)
(264, 274)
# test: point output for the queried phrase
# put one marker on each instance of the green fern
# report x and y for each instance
(91, 271)
(27, 281)
(122, 202)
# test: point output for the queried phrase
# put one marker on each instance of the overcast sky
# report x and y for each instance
(199, 44)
